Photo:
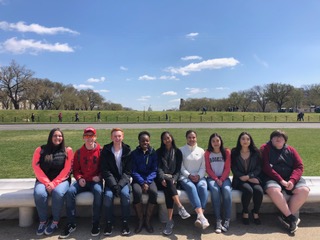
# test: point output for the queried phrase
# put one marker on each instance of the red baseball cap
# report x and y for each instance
(89, 129)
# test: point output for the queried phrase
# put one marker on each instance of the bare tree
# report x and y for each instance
(12, 80)
(279, 93)
(260, 95)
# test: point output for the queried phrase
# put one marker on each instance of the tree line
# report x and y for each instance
(18, 86)
(266, 98)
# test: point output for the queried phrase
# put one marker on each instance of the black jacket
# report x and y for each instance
(109, 169)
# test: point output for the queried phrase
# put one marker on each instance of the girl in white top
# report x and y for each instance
(192, 177)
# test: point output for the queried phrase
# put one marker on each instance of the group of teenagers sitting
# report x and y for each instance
(114, 171)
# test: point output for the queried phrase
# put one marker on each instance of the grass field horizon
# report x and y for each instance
(17, 147)
(51, 116)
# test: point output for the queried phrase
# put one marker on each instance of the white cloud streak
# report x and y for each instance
(96, 80)
(188, 58)
(168, 78)
(123, 68)
(260, 61)
(35, 28)
(192, 36)
(144, 98)
(147, 78)
(204, 65)
(193, 91)
(83, 86)
(32, 46)
(170, 93)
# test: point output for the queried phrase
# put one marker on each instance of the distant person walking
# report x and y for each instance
(76, 117)
(99, 116)
(60, 117)
(32, 117)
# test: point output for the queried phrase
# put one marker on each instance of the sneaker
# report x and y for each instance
(41, 228)
(51, 228)
(204, 223)
(95, 230)
(125, 229)
(289, 222)
(183, 213)
(108, 229)
(218, 226)
(226, 225)
(168, 229)
(197, 223)
(67, 230)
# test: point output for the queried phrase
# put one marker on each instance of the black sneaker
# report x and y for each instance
(67, 230)
(95, 230)
(289, 222)
(108, 229)
(125, 229)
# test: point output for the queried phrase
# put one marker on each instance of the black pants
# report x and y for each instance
(169, 192)
(251, 191)
(137, 193)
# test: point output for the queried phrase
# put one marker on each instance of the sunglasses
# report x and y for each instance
(88, 136)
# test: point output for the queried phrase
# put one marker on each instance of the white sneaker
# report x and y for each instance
(183, 213)
(204, 223)
(197, 223)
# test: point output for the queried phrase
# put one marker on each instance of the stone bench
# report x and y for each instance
(18, 193)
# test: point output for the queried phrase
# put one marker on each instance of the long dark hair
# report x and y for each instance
(50, 147)
(252, 147)
(222, 149)
(163, 146)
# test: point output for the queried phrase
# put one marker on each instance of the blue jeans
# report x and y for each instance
(97, 190)
(216, 193)
(197, 192)
(41, 197)
(124, 200)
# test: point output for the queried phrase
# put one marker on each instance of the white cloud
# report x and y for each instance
(169, 93)
(192, 36)
(29, 45)
(102, 91)
(35, 28)
(83, 86)
(260, 61)
(144, 98)
(188, 58)
(216, 63)
(193, 91)
(147, 78)
(222, 88)
(177, 100)
(168, 78)
(123, 68)
(96, 80)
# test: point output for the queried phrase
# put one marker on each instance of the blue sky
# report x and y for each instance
(142, 53)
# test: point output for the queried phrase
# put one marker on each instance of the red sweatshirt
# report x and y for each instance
(86, 163)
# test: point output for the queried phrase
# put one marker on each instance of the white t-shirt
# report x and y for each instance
(216, 163)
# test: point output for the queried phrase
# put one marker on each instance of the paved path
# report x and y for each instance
(309, 229)
(81, 126)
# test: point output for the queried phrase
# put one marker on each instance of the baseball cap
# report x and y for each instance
(89, 129)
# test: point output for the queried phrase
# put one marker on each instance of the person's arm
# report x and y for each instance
(154, 167)
(77, 166)
(202, 168)
(257, 166)
(209, 169)
(135, 170)
(65, 173)
(160, 172)
(227, 166)
(126, 169)
(267, 169)
(40, 175)
(297, 167)
(176, 173)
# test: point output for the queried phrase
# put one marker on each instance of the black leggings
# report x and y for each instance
(169, 192)
(254, 191)
(137, 193)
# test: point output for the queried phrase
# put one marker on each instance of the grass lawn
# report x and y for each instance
(17, 147)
